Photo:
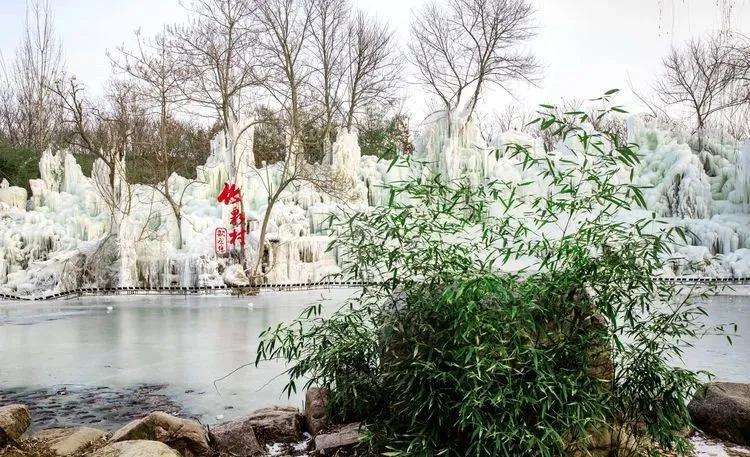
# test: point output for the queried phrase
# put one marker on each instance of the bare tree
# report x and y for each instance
(466, 45)
(726, 8)
(287, 29)
(293, 52)
(373, 66)
(736, 121)
(217, 49)
(511, 117)
(106, 130)
(10, 116)
(38, 63)
(705, 77)
(159, 79)
(328, 33)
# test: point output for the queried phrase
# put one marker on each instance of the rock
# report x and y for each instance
(722, 409)
(14, 421)
(601, 356)
(276, 424)
(136, 448)
(236, 438)
(606, 438)
(68, 441)
(316, 409)
(345, 437)
(187, 436)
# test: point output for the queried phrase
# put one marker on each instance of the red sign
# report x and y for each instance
(231, 195)
(220, 241)
(236, 217)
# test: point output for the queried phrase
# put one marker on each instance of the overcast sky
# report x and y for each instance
(587, 46)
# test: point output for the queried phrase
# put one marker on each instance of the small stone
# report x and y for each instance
(236, 438)
(136, 448)
(316, 409)
(276, 424)
(68, 441)
(14, 421)
(345, 437)
(187, 436)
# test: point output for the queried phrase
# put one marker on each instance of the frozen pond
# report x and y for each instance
(138, 343)
(714, 353)
(166, 352)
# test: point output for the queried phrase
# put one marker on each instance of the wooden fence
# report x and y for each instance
(248, 290)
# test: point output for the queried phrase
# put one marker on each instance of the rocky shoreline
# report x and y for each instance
(52, 425)
(273, 431)
(102, 407)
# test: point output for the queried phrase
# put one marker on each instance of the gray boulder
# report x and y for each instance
(68, 441)
(187, 436)
(722, 409)
(14, 421)
(236, 438)
(276, 424)
(316, 409)
(136, 448)
(345, 437)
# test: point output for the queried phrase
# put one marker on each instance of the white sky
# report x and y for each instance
(587, 46)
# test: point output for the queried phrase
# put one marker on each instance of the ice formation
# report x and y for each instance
(76, 230)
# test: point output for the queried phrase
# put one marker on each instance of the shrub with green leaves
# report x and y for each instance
(520, 317)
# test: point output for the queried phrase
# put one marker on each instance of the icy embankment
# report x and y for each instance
(100, 231)
(706, 192)
(76, 231)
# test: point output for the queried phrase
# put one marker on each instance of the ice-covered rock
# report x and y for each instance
(235, 275)
(13, 197)
(345, 154)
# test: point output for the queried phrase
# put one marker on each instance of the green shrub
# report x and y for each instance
(18, 165)
(510, 321)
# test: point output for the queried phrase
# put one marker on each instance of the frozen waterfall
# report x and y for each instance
(75, 230)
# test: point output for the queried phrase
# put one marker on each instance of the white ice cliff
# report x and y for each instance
(75, 231)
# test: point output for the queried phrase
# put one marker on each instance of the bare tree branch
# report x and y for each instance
(467, 45)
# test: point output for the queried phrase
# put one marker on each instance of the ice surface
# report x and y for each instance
(76, 230)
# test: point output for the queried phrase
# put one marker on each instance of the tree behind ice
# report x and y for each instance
(462, 47)
(706, 77)
(159, 81)
(30, 114)
(217, 50)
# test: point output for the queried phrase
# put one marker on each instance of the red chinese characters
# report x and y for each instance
(231, 195)
(237, 235)
(220, 241)
(237, 217)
